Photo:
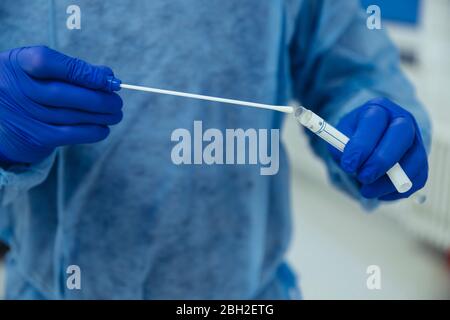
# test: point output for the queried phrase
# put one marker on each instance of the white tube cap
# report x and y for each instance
(399, 178)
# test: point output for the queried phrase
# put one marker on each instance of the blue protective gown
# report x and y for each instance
(139, 226)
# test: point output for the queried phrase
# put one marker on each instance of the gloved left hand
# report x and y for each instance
(381, 134)
(48, 100)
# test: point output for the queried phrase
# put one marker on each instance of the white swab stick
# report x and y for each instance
(285, 109)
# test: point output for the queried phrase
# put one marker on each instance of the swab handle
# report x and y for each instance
(285, 109)
(338, 140)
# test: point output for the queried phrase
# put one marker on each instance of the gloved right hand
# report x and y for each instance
(48, 99)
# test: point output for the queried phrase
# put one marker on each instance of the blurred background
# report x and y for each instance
(334, 240)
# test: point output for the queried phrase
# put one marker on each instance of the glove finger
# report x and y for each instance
(47, 136)
(395, 142)
(64, 95)
(75, 134)
(414, 163)
(45, 63)
(62, 116)
(370, 127)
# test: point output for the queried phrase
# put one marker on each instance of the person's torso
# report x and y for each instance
(138, 225)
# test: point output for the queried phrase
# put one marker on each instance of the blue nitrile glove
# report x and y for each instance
(48, 99)
(381, 134)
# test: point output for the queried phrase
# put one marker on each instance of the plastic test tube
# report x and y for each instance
(338, 140)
